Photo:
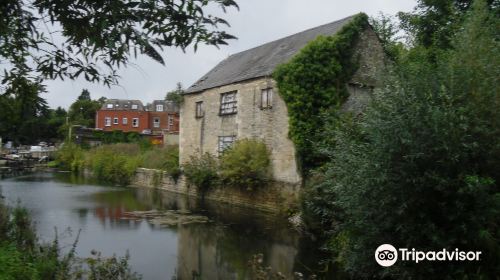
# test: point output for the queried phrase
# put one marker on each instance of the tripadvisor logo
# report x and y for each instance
(386, 255)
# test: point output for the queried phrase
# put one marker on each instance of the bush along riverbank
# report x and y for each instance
(23, 257)
(419, 168)
(117, 163)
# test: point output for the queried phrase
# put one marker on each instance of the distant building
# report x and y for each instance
(158, 118)
(164, 117)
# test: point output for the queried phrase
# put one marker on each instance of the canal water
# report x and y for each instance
(219, 249)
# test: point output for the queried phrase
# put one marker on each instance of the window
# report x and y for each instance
(266, 100)
(109, 106)
(159, 108)
(124, 121)
(199, 109)
(156, 122)
(170, 121)
(228, 103)
(134, 107)
(115, 120)
(225, 142)
(135, 122)
(107, 121)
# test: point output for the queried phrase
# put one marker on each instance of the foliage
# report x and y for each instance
(23, 257)
(433, 23)
(202, 171)
(388, 33)
(166, 158)
(83, 110)
(420, 169)
(114, 164)
(25, 117)
(98, 36)
(245, 164)
(314, 83)
(176, 95)
(117, 136)
(70, 157)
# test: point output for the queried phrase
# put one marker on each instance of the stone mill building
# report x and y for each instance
(238, 98)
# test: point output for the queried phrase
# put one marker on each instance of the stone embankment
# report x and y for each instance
(274, 197)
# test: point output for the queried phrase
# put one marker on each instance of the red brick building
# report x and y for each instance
(159, 117)
(163, 117)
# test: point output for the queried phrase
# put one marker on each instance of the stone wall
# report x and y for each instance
(275, 197)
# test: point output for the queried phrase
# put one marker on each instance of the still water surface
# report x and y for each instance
(216, 250)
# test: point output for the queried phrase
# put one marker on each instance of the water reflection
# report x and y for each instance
(217, 250)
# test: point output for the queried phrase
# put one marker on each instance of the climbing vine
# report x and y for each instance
(313, 83)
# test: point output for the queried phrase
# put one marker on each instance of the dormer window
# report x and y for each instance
(109, 106)
(159, 108)
(134, 107)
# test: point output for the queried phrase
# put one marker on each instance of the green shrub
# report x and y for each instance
(115, 164)
(166, 158)
(70, 156)
(245, 164)
(420, 169)
(201, 171)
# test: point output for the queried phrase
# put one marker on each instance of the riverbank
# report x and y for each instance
(274, 197)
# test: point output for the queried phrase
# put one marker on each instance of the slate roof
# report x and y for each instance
(168, 106)
(122, 105)
(262, 60)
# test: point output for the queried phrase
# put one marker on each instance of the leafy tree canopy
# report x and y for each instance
(92, 39)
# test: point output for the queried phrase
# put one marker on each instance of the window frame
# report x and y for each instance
(198, 111)
(134, 107)
(137, 122)
(221, 147)
(116, 121)
(228, 107)
(159, 107)
(269, 94)
(124, 121)
(156, 122)
(107, 121)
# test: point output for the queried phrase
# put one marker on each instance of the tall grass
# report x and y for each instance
(117, 163)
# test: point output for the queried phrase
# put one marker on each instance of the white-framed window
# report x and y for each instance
(266, 99)
(159, 108)
(228, 103)
(225, 142)
(199, 109)
(109, 106)
(156, 122)
(135, 122)
(124, 121)
(115, 120)
(134, 107)
(107, 121)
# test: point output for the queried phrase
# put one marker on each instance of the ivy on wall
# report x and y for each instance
(313, 83)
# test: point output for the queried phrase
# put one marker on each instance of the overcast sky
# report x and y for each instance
(257, 22)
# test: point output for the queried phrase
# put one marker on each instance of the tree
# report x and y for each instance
(420, 169)
(85, 95)
(434, 22)
(388, 32)
(176, 94)
(83, 110)
(96, 35)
